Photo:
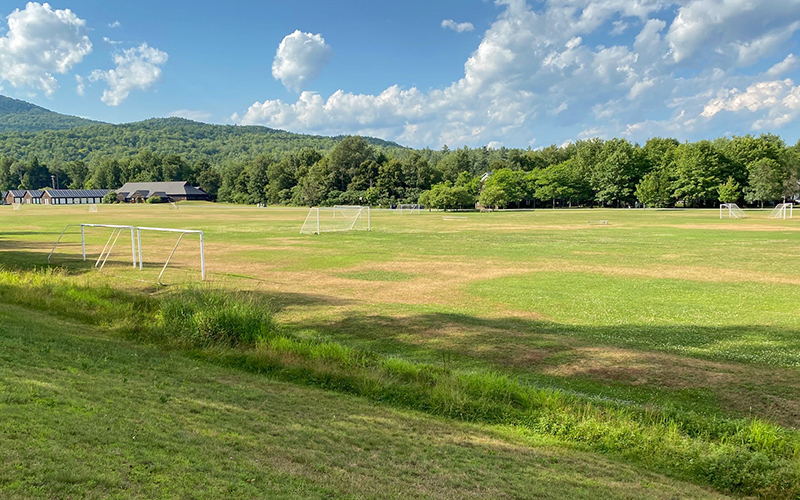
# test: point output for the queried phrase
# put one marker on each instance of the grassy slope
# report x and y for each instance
(83, 415)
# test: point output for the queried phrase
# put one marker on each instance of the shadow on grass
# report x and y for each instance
(635, 363)
(459, 333)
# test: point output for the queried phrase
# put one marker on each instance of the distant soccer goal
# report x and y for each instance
(93, 208)
(169, 259)
(335, 219)
(17, 206)
(174, 206)
(407, 209)
(105, 253)
(783, 211)
(731, 210)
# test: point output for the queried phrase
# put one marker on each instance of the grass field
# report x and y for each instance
(680, 325)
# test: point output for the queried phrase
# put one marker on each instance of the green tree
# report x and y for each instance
(699, 169)
(494, 196)
(730, 191)
(655, 189)
(765, 181)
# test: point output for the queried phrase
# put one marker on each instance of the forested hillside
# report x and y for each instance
(191, 140)
(21, 116)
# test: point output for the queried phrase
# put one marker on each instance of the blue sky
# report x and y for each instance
(423, 73)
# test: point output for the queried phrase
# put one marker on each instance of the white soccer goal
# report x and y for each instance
(406, 209)
(731, 210)
(174, 206)
(182, 233)
(17, 206)
(93, 208)
(783, 211)
(105, 253)
(337, 218)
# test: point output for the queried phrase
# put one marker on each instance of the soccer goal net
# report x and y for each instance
(17, 206)
(783, 211)
(731, 210)
(163, 253)
(93, 208)
(89, 237)
(338, 218)
(412, 208)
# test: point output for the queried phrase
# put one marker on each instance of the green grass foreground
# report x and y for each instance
(85, 414)
(234, 330)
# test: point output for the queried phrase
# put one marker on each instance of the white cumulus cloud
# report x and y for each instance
(457, 27)
(535, 73)
(39, 43)
(136, 68)
(300, 59)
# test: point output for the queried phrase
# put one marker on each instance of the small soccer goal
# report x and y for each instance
(174, 206)
(16, 206)
(161, 253)
(407, 209)
(731, 211)
(336, 219)
(783, 211)
(93, 208)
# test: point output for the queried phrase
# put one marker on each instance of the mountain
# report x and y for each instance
(21, 116)
(27, 130)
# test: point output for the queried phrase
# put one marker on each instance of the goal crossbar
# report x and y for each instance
(116, 232)
(182, 232)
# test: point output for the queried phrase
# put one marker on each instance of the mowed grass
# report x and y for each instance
(543, 293)
(673, 310)
(83, 415)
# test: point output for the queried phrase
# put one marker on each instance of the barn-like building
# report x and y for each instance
(137, 192)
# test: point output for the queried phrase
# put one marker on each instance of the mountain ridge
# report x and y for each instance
(171, 135)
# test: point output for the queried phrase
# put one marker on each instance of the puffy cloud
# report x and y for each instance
(725, 23)
(534, 73)
(779, 99)
(41, 42)
(137, 68)
(115, 24)
(791, 63)
(457, 27)
(299, 59)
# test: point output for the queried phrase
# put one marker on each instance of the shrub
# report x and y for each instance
(154, 199)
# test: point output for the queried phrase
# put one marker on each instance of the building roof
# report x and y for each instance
(18, 193)
(35, 193)
(77, 193)
(175, 188)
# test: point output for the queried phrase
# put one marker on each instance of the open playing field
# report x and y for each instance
(676, 311)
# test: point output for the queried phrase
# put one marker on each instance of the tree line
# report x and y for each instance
(615, 173)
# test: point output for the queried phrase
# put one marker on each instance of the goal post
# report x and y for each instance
(116, 232)
(731, 210)
(782, 210)
(181, 233)
(336, 219)
(410, 208)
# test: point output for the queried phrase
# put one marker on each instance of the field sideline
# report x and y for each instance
(677, 310)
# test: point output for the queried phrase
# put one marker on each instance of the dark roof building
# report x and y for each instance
(14, 196)
(73, 196)
(33, 196)
(167, 191)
